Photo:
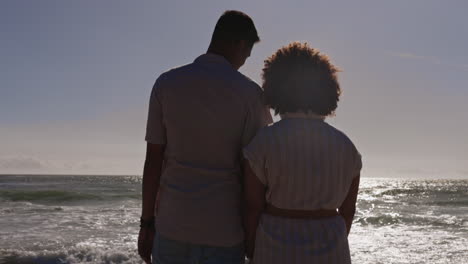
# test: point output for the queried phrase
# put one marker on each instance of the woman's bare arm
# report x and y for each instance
(348, 207)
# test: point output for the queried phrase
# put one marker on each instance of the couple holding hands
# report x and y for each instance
(221, 181)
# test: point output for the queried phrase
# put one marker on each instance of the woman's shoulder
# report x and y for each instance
(273, 128)
(266, 134)
(265, 131)
(341, 136)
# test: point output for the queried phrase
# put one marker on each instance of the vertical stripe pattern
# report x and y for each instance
(282, 240)
(310, 166)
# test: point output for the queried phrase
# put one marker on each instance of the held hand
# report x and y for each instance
(249, 249)
(145, 243)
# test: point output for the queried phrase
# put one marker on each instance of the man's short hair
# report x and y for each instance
(234, 26)
(299, 78)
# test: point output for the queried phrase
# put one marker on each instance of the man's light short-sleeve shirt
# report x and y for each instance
(205, 113)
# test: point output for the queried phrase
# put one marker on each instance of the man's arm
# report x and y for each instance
(151, 177)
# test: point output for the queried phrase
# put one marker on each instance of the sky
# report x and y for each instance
(75, 77)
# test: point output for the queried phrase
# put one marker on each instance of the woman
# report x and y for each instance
(301, 174)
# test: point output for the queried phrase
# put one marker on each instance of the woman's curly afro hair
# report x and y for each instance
(300, 78)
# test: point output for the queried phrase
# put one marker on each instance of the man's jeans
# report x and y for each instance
(167, 251)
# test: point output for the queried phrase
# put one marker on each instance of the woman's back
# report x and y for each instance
(309, 164)
(301, 177)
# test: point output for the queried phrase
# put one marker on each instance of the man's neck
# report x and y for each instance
(221, 53)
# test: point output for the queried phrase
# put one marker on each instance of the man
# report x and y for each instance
(200, 116)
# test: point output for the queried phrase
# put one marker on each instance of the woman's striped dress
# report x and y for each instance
(306, 164)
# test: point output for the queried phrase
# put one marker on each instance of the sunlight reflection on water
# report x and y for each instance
(397, 220)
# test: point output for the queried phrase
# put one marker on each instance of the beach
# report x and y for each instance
(95, 219)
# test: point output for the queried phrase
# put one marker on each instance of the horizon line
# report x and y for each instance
(140, 175)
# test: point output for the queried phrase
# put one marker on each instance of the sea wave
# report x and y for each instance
(53, 196)
(453, 202)
(445, 220)
(415, 191)
(76, 254)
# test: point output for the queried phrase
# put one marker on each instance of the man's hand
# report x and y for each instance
(145, 243)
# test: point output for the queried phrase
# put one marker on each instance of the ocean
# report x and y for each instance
(95, 219)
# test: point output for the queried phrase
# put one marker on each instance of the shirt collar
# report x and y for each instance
(309, 115)
(212, 58)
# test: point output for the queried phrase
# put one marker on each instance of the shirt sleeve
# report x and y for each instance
(255, 153)
(258, 116)
(155, 128)
(357, 164)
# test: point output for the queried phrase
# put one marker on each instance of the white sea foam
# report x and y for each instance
(76, 254)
